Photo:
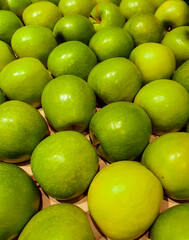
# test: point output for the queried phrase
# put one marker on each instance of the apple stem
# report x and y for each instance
(96, 144)
(96, 19)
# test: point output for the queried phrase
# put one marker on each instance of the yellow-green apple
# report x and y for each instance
(64, 164)
(33, 41)
(6, 56)
(177, 41)
(166, 102)
(105, 43)
(81, 7)
(106, 14)
(69, 103)
(24, 79)
(16, 184)
(21, 129)
(115, 79)
(167, 157)
(120, 131)
(2, 97)
(117, 2)
(144, 27)
(74, 27)
(173, 14)
(72, 58)
(53, 1)
(69, 222)
(154, 61)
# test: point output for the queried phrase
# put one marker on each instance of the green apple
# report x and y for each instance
(2, 97)
(19, 201)
(33, 41)
(172, 223)
(16, 7)
(24, 79)
(81, 7)
(124, 199)
(115, 79)
(177, 41)
(43, 13)
(130, 7)
(154, 61)
(166, 102)
(6, 56)
(69, 103)
(117, 2)
(106, 14)
(120, 131)
(181, 75)
(105, 43)
(64, 164)
(21, 129)
(167, 157)
(56, 2)
(60, 221)
(72, 58)
(74, 27)
(157, 3)
(9, 23)
(144, 27)
(173, 14)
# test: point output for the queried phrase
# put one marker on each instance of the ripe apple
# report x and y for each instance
(53, 1)
(58, 221)
(6, 56)
(144, 27)
(130, 7)
(69, 103)
(120, 131)
(2, 97)
(106, 14)
(74, 27)
(24, 79)
(150, 58)
(81, 7)
(64, 164)
(173, 14)
(21, 129)
(105, 43)
(177, 41)
(115, 79)
(71, 58)
(117, 2)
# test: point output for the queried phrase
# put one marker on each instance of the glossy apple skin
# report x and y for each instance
(105, 43)
(72, 58)
(6, 56)
(106, 14)
(173, 14)
(166, 102)
(167, 157)
(115, 79)
(21, 129)
(150, 58)
(130, 7)
(177, 41)
(144, 27)
(81, 7)
(74, 27)
(120, 131)
(24, 79)
(68, 102)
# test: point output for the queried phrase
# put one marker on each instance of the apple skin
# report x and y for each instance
(106, 14)
(18, 134)
(117, 2)
(56, 2)
(71, 58)
(2, 97)
(81, 7)
(24, 79)
(144, 27)
(177, 41)
(69, 103)
(173, 14)
(105, 45)
(130, 7)
(64, 164)
(74, 27)
(6, 56)
(150, 58)
(120, 131)
(115, 79)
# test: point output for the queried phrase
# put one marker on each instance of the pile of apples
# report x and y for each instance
(87, 82)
